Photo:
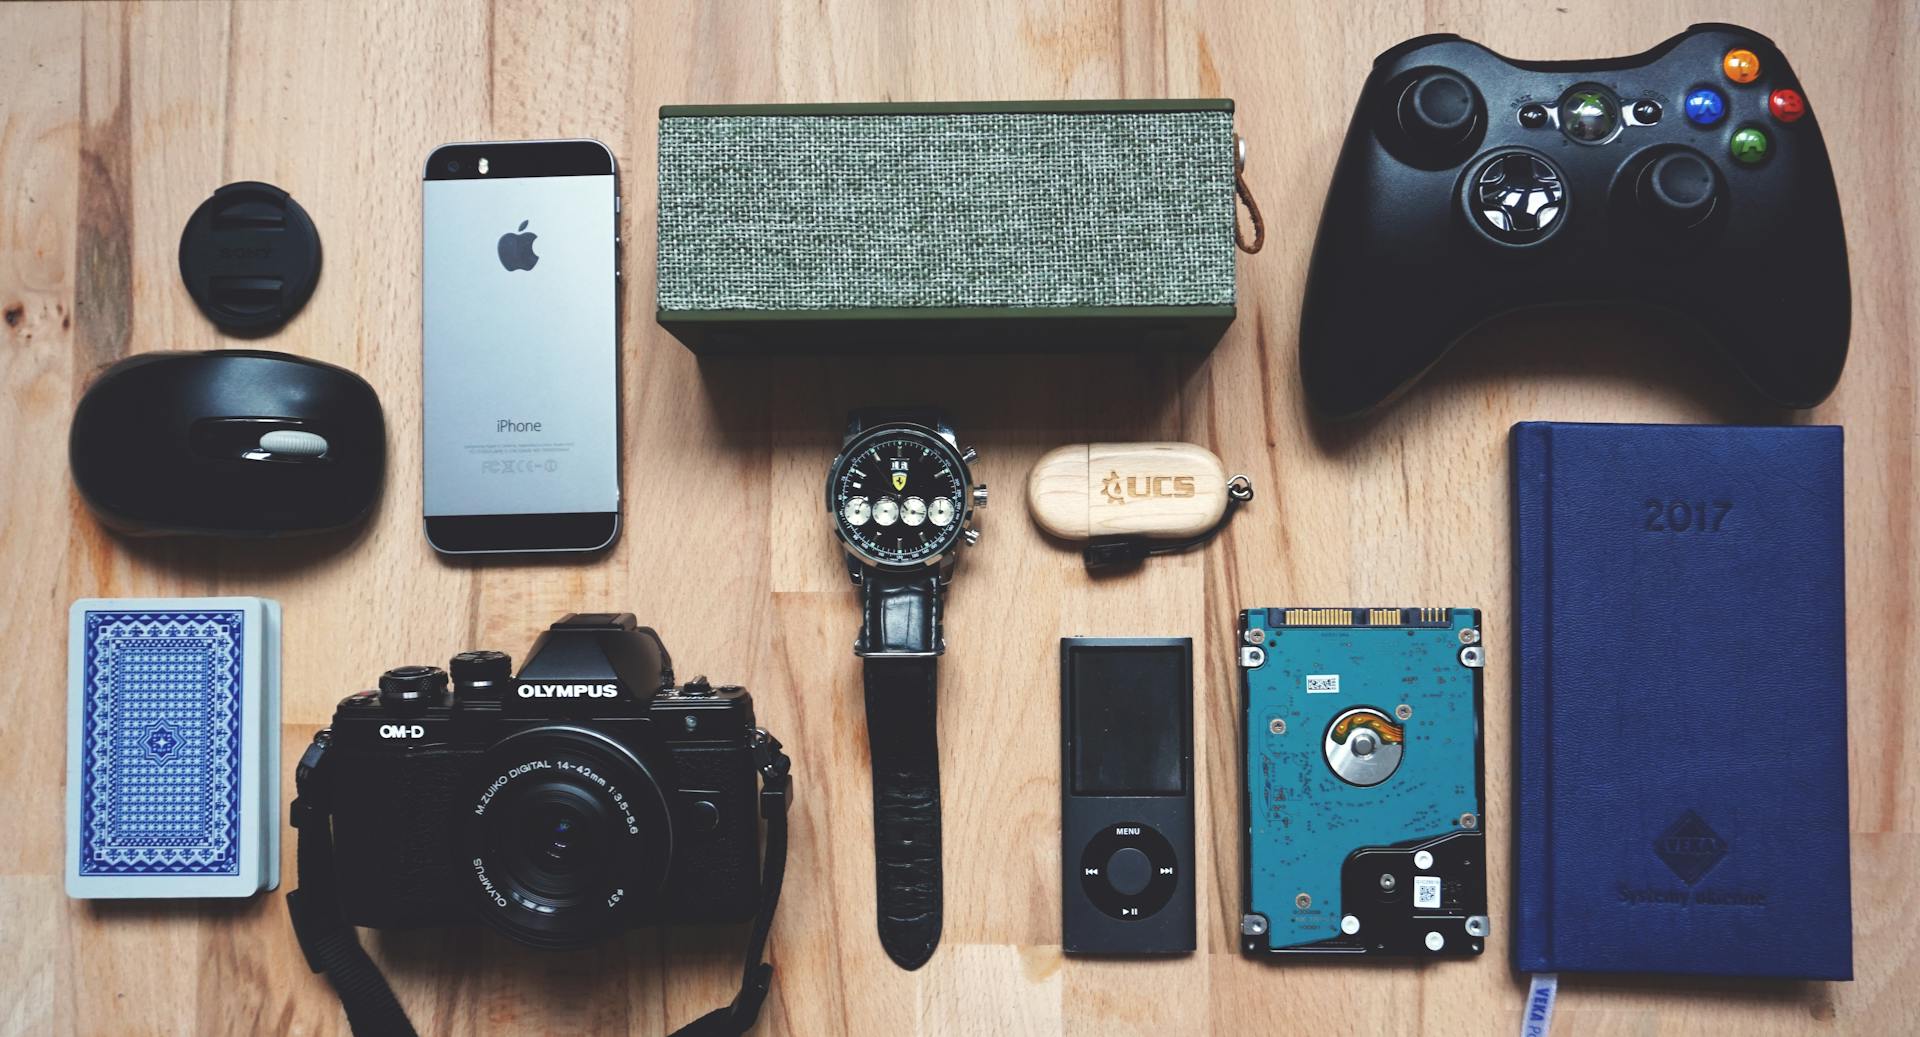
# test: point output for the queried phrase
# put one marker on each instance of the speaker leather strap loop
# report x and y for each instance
(1245, 194)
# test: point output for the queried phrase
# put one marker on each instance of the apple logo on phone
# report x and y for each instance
(516, 250)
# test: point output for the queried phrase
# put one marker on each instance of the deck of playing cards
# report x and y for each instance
(173, 747)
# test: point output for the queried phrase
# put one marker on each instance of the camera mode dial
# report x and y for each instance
(481, 676)
(409, 690)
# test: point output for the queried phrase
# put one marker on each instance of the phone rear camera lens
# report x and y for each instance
(453, 165)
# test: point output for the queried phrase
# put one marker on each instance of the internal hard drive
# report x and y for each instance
(1363, 796)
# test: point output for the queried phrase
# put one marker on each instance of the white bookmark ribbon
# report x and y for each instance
(1538, 1016)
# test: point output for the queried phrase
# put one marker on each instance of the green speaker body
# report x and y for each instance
(975, 227)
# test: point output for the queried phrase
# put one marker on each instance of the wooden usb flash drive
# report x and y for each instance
(1160, 490)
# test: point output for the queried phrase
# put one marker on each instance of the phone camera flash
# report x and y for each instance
(483, 167)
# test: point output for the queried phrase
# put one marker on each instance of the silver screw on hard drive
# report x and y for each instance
(1469, 636)
(1469, 820)
(1277, 726)
(1302, 901)
(1403, 711)
(1387, 882)
(1255, 636)
(1253, 925)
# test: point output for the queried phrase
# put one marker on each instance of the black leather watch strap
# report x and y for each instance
(900, 614)
(901, 710)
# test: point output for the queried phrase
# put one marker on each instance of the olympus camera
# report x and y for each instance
(584, 795)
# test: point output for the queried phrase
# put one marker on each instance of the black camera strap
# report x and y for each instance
(332, 947)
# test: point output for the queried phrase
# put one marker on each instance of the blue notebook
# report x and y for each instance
(1680, 755)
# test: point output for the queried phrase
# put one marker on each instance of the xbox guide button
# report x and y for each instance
(1590, 114)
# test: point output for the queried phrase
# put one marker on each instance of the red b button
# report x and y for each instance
(1787, 105)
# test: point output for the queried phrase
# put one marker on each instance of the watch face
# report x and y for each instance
(899, 496)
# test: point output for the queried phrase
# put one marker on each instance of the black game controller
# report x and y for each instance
(1691, 177)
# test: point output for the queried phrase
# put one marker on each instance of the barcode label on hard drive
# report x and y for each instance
(1426, 892)
(1323, 683)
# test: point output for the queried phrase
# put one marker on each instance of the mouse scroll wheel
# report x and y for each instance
(292, 444)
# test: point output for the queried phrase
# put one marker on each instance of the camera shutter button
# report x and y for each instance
(409, 690)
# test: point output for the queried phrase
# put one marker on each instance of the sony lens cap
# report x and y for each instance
(250, 257)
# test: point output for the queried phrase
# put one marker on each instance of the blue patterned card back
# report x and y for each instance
(161, 726)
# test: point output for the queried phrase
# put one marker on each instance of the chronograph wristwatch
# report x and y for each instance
(903, 499)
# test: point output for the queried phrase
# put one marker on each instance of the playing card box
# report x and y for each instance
(173, 747)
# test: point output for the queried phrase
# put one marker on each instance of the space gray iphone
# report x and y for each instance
(520, 328)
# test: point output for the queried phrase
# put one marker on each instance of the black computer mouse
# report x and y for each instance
(232, 442)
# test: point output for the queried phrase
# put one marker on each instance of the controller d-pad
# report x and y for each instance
(1516, 197)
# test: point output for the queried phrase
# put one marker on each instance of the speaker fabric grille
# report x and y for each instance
(812, 212)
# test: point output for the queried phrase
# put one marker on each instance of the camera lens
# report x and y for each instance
(453, 165)
(558, 840)
(568, 835)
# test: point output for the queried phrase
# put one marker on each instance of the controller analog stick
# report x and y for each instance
(1439, 111)
(1679, 190)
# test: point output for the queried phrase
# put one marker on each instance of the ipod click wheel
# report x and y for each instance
(1364, 790)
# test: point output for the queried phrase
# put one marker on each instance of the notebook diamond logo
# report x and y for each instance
(1690, 847)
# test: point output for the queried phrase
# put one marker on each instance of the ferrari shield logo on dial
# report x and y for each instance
(899, 481)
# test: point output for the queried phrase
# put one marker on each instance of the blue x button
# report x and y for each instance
(1705, 107)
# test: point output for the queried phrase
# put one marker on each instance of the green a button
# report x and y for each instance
(1749, 146)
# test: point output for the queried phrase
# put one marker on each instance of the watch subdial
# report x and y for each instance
(886, 511)
(940, 512)
(914, 511)
(857, 511)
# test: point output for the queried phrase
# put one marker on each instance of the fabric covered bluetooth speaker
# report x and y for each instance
(994, 226)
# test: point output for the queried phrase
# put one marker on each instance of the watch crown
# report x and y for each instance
(972, 535)
(980, 496)
(969, 455)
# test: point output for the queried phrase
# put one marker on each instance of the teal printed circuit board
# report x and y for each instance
(1363, 798)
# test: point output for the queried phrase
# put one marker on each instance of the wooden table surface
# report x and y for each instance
(116, 121)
